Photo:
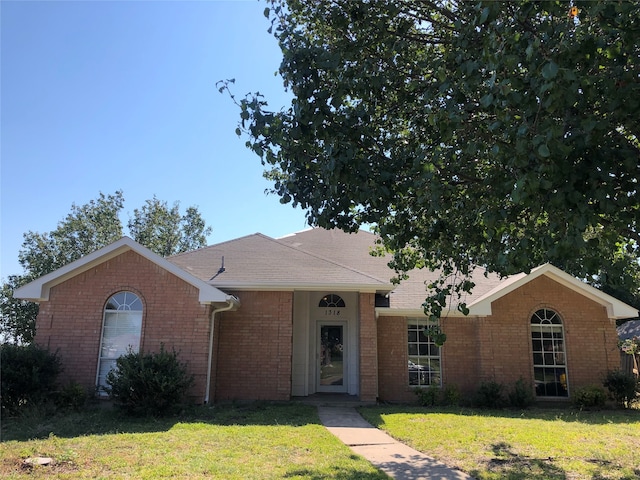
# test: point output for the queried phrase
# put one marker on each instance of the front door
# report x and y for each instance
(332, 357)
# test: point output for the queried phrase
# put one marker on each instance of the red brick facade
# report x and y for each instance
(368, 348)
(71, 321)
(253, 346)
(499, 347)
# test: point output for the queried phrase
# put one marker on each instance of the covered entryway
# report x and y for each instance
(325, 343)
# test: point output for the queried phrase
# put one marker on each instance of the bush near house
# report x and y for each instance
(29, 376)
(623, 387)
(149, 383)
(593, 396)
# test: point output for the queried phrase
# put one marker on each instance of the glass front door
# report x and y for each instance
(332, 356)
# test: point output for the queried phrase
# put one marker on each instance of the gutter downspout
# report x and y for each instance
(231, 305)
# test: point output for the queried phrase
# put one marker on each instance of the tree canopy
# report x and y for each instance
(494, 134)
(165, 231)
(87, 228)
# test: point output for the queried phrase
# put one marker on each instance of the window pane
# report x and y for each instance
(121, 331)
(424, 355)
(550, 374)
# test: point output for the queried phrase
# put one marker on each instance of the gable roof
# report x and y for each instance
(260, 262)
(315, 259)
(355, 249)
(615, 308)
(38, 290)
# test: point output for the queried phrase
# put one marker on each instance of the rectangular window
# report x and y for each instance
(424, 354)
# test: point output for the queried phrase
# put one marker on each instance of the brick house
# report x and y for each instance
(313, 312)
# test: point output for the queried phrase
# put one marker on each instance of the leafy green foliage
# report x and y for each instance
(165, 231)
(435, 396)
(86, 229)
(72, 396)
(29, 375)
(493, 134)
(17, 317)
(623, 387)
(593, 396)
(428, 396)
(490, 394)
(149, 383)
(521, 395)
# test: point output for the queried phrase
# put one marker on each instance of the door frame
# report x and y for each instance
(344, 388)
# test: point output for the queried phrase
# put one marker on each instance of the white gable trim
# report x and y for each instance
(38, 290)
(615, 308)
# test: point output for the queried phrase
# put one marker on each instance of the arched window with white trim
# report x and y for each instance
(121, 330)
(549, 355)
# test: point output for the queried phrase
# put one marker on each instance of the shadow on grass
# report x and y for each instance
(505, 462)
(337, 473)
(565, 414)
(510, 465)
(106, 419)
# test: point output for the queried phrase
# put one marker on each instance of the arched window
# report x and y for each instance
(549, 356)
(121, 330)
(331, 301)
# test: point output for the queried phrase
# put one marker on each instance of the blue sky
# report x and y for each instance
(100, 96)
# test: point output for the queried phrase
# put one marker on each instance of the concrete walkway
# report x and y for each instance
(392, 457)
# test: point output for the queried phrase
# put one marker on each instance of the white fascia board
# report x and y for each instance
(415, 312)
(615, 308)
(38, 290)
(308, 287)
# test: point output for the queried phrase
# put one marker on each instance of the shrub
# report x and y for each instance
(149, 383)
(450, 395)
(489, 395)
(428, 397)
(29, 375)
(521, 395)
(72, 396)
(592, 396)
(622, 386)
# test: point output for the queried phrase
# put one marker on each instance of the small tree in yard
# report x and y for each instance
(631, 346)
(149, 383)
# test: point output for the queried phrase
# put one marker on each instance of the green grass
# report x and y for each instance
(230, 442)
(531, 444)
(263, 441)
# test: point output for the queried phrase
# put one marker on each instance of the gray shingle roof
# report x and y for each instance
(629, 329)
(312, 259)
(258, 261)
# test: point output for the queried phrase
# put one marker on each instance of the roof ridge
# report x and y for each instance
(323, 258)
(215, 245)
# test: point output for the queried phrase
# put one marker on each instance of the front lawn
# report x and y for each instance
(262, 441)
(540, 443)
(228, 442)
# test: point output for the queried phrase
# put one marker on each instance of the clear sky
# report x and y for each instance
(100, 96)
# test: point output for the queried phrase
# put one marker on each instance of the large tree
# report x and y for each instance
(85, 229)
(165, 231)
(494, 134)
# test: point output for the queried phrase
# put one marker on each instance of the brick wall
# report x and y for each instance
(590, 337)
(71, 321)
(368, 348)
(393, 377)
(499, 347)
(254, 348)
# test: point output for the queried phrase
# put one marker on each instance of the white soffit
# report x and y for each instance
(38, 290)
